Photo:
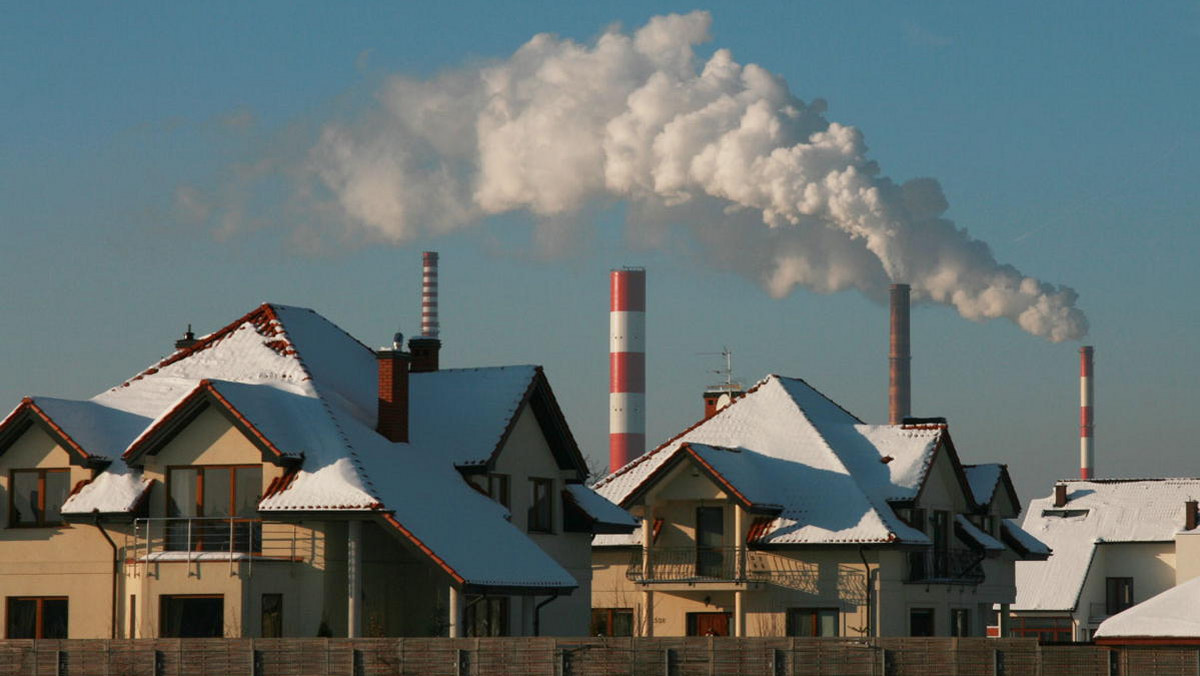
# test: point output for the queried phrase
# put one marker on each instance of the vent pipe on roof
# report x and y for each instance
(1189, 515)
(1086, 443)
(425, 347)
(899, 357)
(626, 366)
(1060, 495)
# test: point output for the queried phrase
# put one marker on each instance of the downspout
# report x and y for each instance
(867, 567)
(537, 615)
(116, 567)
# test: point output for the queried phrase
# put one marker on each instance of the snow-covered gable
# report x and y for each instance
(309, 389)
(786, 444)
(1174, 613)
(1101, 511)
(983, 480)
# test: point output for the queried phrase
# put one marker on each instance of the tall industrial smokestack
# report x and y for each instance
(626, 366)
(425, 347)
(899, 358)
(1086, 449)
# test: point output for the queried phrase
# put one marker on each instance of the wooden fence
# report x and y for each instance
(588, 657)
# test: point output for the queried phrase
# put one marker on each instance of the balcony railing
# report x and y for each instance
(946, 566)
(218, 538)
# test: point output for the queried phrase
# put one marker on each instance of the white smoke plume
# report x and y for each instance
(768, 186)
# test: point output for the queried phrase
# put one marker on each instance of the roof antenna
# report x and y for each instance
(717, 397)
(188, 339)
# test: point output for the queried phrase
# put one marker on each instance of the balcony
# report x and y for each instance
(946, 566)
(219, 539)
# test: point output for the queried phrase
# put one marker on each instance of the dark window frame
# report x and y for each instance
(487, 616)
(246, 536)
(604, 621)
(811, 616)
(39, 615)
(498, 488)
(540, 518)
(40, 510)
(929, 613)
(163, 615)
(1118, 594)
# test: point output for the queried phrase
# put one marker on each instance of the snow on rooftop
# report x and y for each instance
(981, 538)
(805, 454)
(310, 389)
(983, 480)
(1174, 613)
(599, 507)
(1140, 510)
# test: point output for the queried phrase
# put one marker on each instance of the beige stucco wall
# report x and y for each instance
(1187, 556)
(1150, 564)
(72, 560)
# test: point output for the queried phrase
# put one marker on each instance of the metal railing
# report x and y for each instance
(690, 564)
(218, 538)
(946, 566)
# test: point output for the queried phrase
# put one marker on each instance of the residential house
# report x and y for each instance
(1116, 542)
(784, 514)
(279, 478)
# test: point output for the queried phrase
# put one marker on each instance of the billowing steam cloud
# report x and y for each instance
(767, 184)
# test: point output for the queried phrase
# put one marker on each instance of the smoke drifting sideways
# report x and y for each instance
(768, 186)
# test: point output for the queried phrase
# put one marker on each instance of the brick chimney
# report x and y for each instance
(1060, 495)
(393, 392)
(1189, 515)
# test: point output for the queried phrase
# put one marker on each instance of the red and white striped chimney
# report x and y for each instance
(626, 366)
(425, 347)
(899, 357)
(429, 294)
(1087, 451)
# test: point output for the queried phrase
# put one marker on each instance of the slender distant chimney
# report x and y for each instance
(1087, 451)
(899, 358)
(626, 366)
(188, 339)
(425, 347)
(393, 392)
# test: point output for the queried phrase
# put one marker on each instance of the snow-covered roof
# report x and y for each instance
(982, 539)
(785, 445)
(1174, 613)
(1097, 511)
(599, 508)
(308, 389)
(983, 480)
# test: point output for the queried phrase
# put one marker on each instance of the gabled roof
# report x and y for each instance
(1096, 512)
(785, 445)
(986, 479)
(92, 435)
(304, 392)
(605, 517)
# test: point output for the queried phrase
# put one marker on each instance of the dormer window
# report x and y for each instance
(36, 497)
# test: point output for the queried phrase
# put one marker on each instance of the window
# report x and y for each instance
(917, 568)
(541, 514)
(191, 616)
(1119, 594)
(812, 622)
(710, 541)
(708, 624)
(1041, 628)
(941, 549)
(960, 622)
(612, 622)
(36, 496)
(487, 616)
(37, 617)
(920, 622)
(272, 616)
(497, 488)
(214, 504)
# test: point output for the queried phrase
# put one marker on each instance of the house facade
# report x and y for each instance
(1116, 542)
(278, 478)
(783, 514)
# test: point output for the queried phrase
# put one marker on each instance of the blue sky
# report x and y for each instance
(1062, 134)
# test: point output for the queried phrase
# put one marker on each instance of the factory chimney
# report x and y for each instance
(1087, 457)
(626, 366)
(899, 358)
(425, 347)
